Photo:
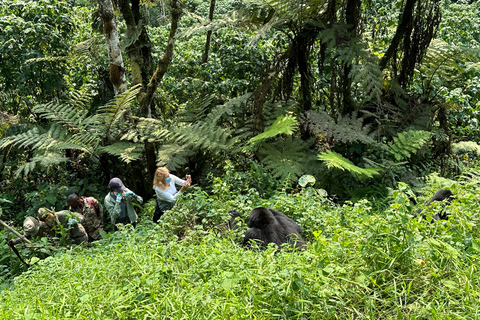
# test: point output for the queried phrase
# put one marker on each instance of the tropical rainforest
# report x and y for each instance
(345, 115)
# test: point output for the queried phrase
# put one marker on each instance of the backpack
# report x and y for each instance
(89, 200)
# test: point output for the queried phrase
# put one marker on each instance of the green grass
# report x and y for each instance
(359, 265)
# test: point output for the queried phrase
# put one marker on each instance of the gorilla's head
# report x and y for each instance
(260, 218)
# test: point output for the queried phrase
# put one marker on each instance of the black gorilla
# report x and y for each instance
(272, 226)
(440, 195)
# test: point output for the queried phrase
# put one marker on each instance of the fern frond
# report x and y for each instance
(207, 133)
(282, 125)
(335, 160)
(368, 81)
(112, 114)
(349, 128)
(147, 129)
(127, 151)
(34, 138)
(86, 47)
(44, 161)
(446, 61)
(69, 115)
(228, 108)
(204, 26)
(81, 50)
(204, 136)
(173, 156)
(32, 135)
(285, 158)
(293, 9)
(48, 59)
(408, 142)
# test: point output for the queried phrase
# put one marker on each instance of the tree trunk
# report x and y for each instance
(209, 33)
(352, 18)
(405, 24)
(117, 68)
(143, 72)
(147, 97)
(164, 62)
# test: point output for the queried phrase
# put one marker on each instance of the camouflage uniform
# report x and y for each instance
(48, 223)
(93, 217)
(76, 231)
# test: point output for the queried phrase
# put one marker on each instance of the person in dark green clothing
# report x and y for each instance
(118, 203)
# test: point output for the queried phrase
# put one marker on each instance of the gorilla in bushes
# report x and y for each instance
(272, 226)
(440, 195)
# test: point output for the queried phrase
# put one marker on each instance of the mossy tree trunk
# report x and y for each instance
(117, 68)
(209, 33)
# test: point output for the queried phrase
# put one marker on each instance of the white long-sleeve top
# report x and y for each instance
(171, 194)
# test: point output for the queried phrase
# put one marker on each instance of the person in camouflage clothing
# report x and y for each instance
(50, 224)
(92, 212)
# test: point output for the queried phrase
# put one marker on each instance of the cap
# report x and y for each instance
(31, 226)
(117, 185)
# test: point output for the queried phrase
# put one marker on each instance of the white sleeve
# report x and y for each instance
(165, 196)
(177, 180)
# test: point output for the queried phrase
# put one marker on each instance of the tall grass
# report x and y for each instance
(359, 264)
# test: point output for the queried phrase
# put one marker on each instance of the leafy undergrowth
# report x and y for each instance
(359, 264)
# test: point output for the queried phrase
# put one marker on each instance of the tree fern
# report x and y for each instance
(445, 61)
(282, 125)
(349, 128)
(44, 161)
(71, 128)
(173, 155)
(126, 151)
(407, 143)
(335, 160)
(286, 158)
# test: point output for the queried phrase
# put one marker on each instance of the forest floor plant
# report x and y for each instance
(359, 264)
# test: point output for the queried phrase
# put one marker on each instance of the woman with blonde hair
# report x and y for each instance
(164, 185)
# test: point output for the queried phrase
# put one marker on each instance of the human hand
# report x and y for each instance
(185, 186)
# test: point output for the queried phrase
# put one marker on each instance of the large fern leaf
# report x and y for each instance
(282, 125)
(173, 156)
(113, 113)
(44, 161)
(285, 158)
(407, 143)
(349, 128)
(127, 151)
(446, 62)
(335, 160)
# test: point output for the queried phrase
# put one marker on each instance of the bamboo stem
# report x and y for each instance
(15, 232)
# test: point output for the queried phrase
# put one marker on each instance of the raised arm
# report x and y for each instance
(165, 196)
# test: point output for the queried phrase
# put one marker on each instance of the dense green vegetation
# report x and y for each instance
(346, 115)
(360, 263)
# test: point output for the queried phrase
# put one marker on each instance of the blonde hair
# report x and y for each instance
(161, 174)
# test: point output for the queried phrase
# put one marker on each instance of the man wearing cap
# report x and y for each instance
(50, 224)
(92, 212)
(118, 203)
